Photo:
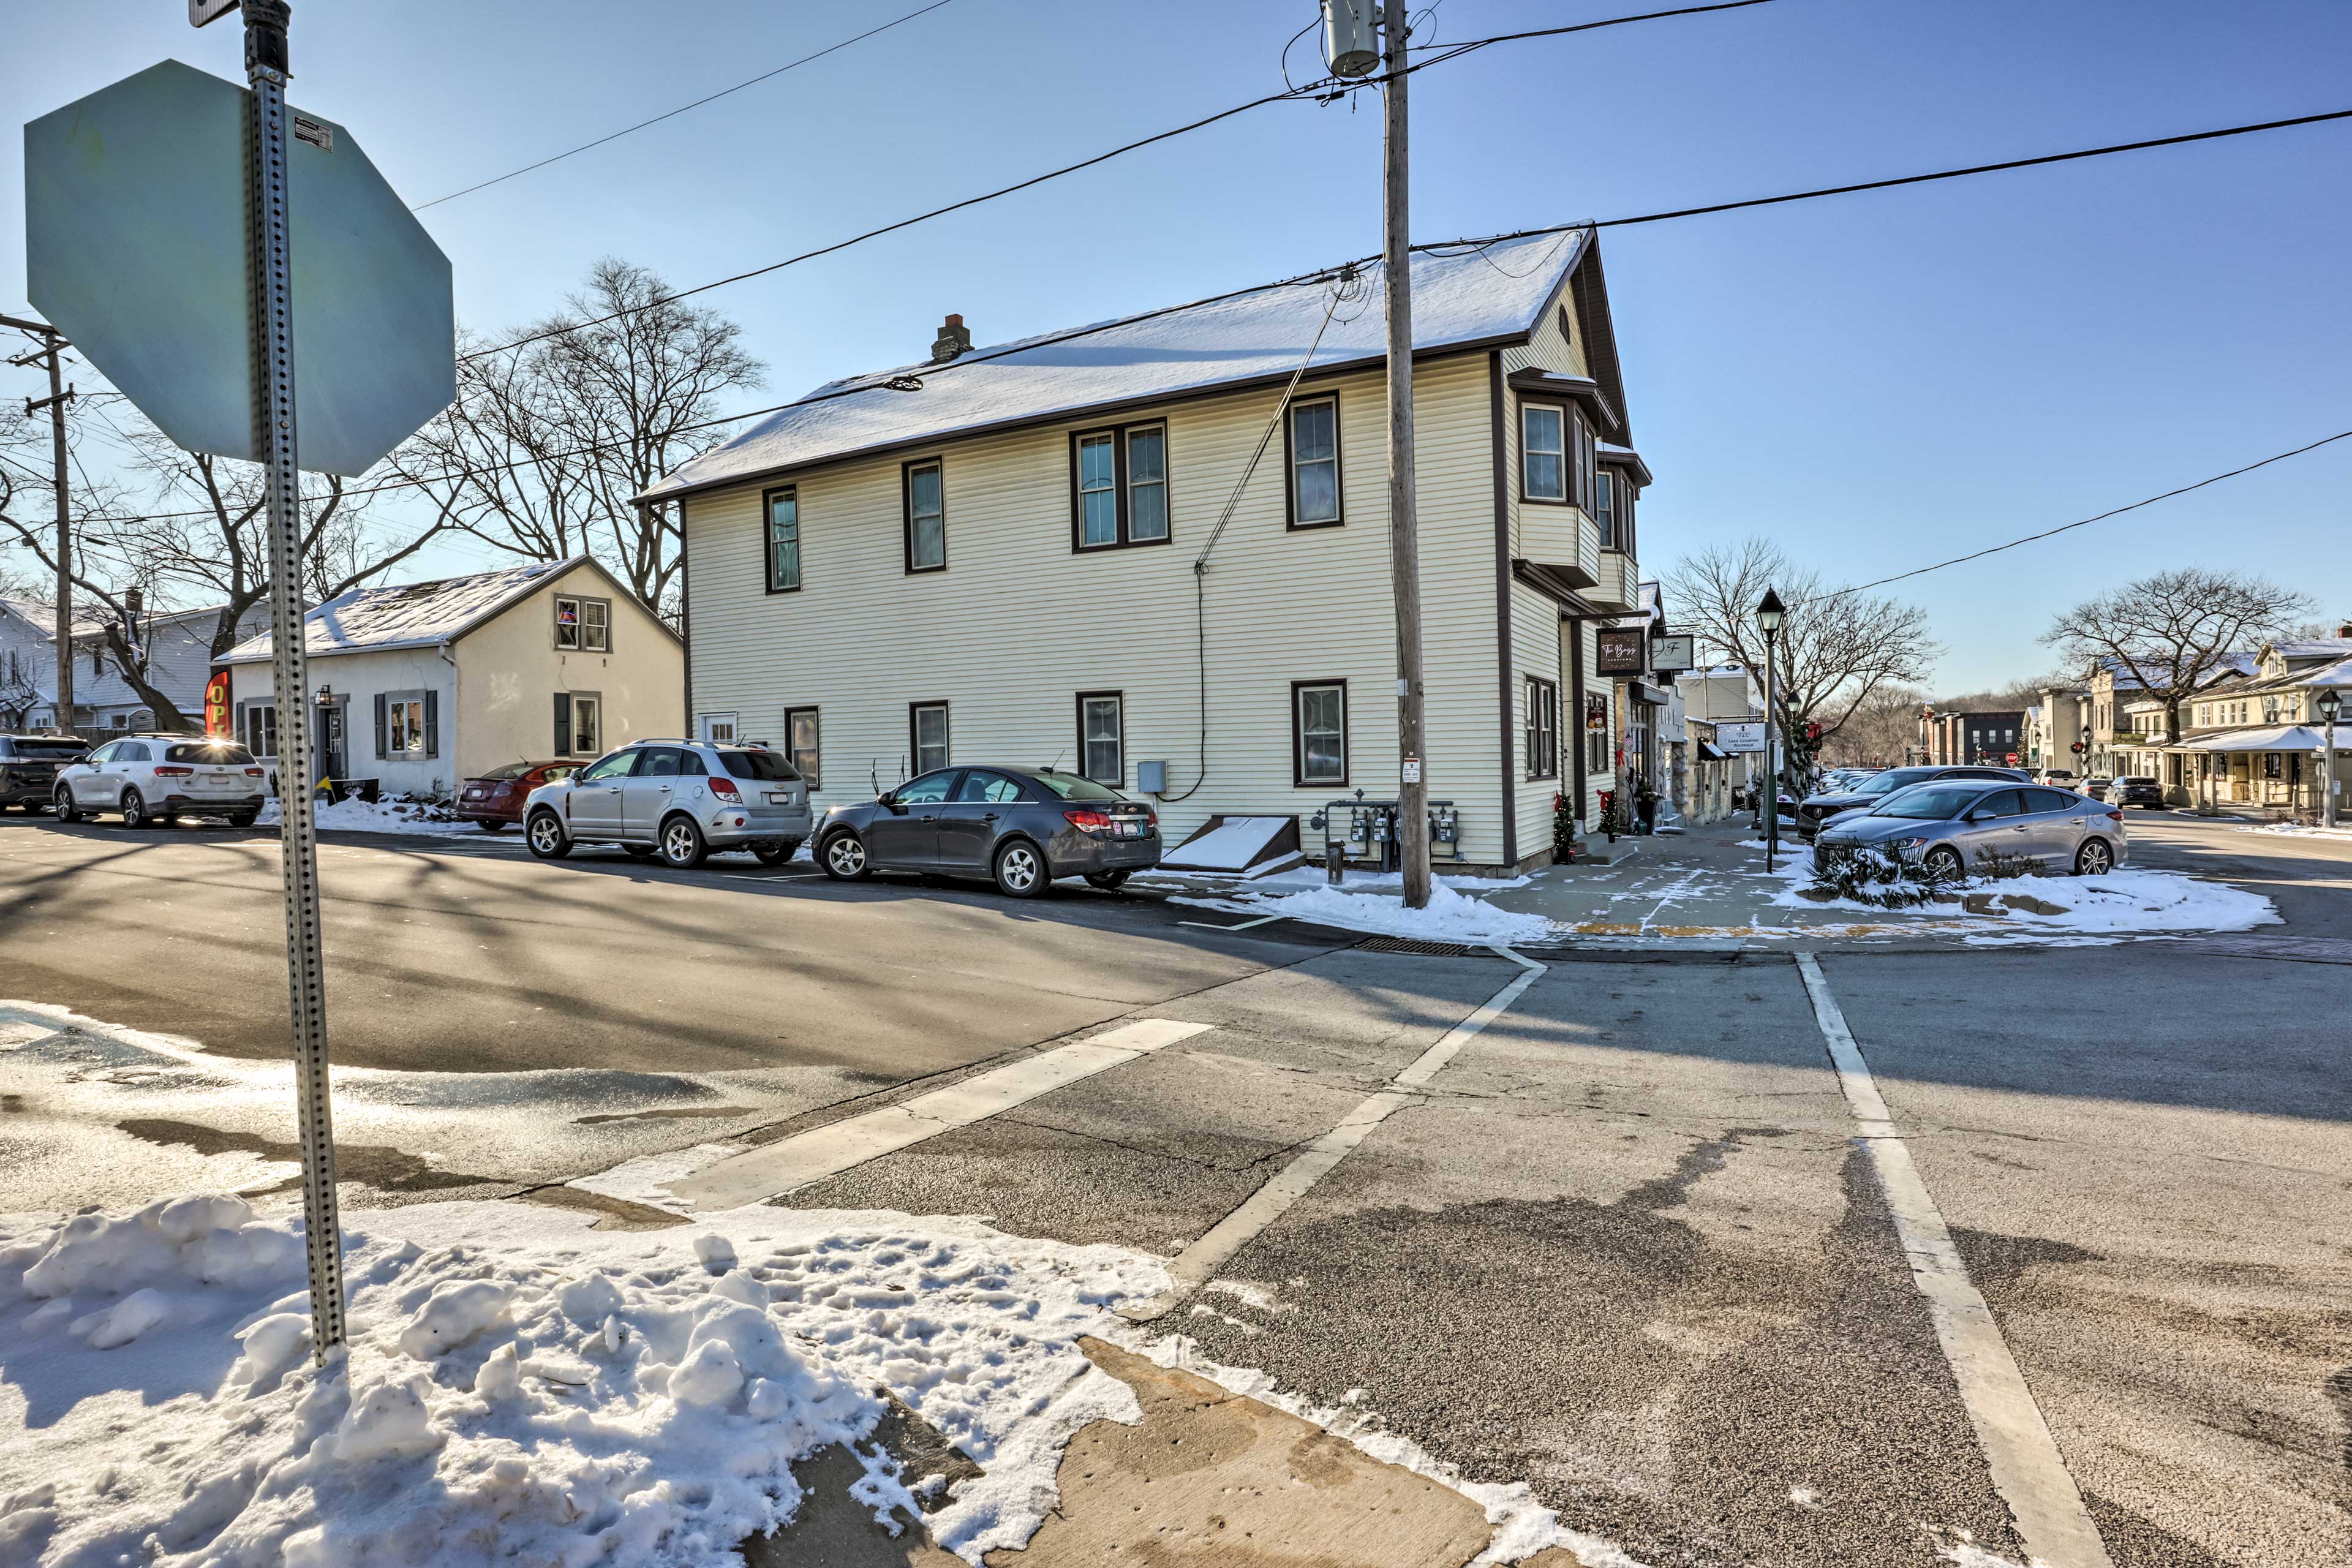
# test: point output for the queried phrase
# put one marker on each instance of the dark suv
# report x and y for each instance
(2134, 789)
(1816, 809)
(29, 765)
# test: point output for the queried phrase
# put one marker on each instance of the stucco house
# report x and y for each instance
(418, 685)
(1134, 550)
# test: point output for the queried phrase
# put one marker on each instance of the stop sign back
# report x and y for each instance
(136, 248)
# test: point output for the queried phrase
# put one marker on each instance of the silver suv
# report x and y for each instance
(678, 799)
(151, 779)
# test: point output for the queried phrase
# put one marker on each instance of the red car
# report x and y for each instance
(494, 801)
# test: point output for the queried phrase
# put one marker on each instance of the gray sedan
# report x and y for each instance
(1945, 826)
(1021, 827)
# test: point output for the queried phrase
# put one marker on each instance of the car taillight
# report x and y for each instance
(1086, 821)
(255, 773)
(2115, 816)
(173, 773)
(725, 790)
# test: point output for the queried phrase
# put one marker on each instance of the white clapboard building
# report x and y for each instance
(1072, 550)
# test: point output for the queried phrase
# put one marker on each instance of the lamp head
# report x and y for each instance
(2329, 703)
(1770, 611)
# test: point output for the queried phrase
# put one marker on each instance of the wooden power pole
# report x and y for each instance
(1404, 534)
(53, 350)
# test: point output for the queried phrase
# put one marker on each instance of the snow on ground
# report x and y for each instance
(519, 1387)
(381, 817)
(1230, 845)
(2124, 901)
(1452, 915)
(2295, 829)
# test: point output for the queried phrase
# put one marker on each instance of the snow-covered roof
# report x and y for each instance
(411, 615)
(2315, 647)
(42, 615)
(1495, 293)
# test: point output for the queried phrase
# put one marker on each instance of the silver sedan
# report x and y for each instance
(1947, 828)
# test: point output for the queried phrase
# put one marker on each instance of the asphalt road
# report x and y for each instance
(1624, 1246)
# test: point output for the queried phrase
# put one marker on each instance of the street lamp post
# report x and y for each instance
(1768, 619)
(2329, 703)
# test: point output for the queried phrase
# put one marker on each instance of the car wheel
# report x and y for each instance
(134, 809)
(1107, 880)
(547, 838)
(242, 818)
(487, 825)
(1020, 870)
(1945, 864)
(63, 808)
(775, 852)
(2094, 858)
(682, 844)
(844, 857)
(637, 851)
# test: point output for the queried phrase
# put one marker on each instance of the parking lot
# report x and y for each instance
(1624, 1246)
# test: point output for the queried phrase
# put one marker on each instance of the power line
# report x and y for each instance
(681, 109)
(2082, 523)
(1325, 88)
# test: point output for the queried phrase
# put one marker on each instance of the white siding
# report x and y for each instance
(357, 679)
(1019, 625)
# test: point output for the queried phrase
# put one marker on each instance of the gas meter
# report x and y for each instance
(1444, 826)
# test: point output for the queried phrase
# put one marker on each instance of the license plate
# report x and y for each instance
(476, 794)
(1131, 830)
(777, 797)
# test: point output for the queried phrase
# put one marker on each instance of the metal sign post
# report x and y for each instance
(306, 977)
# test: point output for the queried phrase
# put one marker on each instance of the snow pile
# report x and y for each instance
(520, 1388)
(2296, 829)
(2126, 900)
(1452, 915)
(356, 815)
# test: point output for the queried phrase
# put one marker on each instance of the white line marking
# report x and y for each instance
(1198, 1263)
(829, 1151)
(1212, 925)
(2027, 1468)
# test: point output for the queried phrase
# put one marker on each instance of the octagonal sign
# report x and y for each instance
(137, 248)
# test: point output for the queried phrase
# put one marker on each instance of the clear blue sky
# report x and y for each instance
(1877, 381)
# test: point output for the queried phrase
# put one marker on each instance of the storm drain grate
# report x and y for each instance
(1417, 947)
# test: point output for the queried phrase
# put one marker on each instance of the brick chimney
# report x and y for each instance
(2344, 631)
(954, 339)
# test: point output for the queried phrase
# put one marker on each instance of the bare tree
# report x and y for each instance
(2168, 631)
(1837, 648)
(548, 443)
(1881, 726)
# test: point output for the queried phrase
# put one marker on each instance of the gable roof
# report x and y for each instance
(1480, 296)
(420, 614)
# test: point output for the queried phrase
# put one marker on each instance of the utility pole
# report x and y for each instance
(1404, 531)
(266, 73)
(59, 396)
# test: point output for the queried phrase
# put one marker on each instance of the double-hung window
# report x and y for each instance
(801, 741)
(927, 736)
(1311, 439)
(1319, 742)
(927, 518)
(1543, 452)
(783, 540)
(1604, 507)
(1122, 486)
(261, 729)
(1541, 720)
(1581, 451)
(1102, 737)
(584, 626)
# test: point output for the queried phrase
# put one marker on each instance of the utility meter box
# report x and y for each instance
(1151, 778)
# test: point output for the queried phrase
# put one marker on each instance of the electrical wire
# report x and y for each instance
(2081, 522)
(681, 109)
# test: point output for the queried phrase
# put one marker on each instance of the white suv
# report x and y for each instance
(151, 779)
(678, 799)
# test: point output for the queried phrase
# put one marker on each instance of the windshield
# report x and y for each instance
(1070, 786)
(29, 747)
(508, 770)
(758, 766)
(1931, 803)
(221, 752)
(1892, 779)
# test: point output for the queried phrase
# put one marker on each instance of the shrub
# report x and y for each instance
(1866, 874)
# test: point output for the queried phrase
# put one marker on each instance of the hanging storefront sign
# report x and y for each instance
(1673, 654)
(1620, 650)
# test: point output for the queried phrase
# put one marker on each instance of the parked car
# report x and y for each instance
(29, 765)
(1943, 825)
(2133, 789)
(2056, 778)
(1023, 827)
(2096, 786)
(493, 801)
(1816, 809)
(678, 799)
(151, 779)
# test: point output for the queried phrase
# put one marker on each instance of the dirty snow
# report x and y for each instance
(2124, 901)
(381, 817)
(1452, 915)
(2296, 830)
(518, 1387)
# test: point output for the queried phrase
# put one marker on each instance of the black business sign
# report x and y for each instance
(1621, 650)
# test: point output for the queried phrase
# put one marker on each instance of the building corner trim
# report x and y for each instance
(1503, 757)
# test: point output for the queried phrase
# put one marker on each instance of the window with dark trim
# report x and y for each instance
(1542, 726)
(1604, 507)
(1584, 453)
(927, 517)
(927, 737)
(801, 734)
(1543, 452)
(584, 626)
(1118, 487)
(1319, 731)
(1310, 449)
(1102, 737)
(783, 510)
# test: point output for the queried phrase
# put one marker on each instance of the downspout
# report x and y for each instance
(1505, 754)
